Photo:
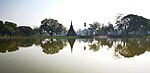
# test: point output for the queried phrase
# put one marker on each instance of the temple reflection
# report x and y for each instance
(71, 43)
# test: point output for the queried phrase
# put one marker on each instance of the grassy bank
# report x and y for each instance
(146, 36)
(38, 37)
(66, 37)
(43, 37)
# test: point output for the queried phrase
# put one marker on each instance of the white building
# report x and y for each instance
(85, 32)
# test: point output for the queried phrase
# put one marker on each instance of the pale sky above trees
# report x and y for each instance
(32, 12)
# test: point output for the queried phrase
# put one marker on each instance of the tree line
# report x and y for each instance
(125, 25)
(47, 27)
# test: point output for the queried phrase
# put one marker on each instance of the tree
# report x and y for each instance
(118, 22)
(95, 26)
(1, 28)
(51, 26)
(134, 23)
(110, 27)
(10, 28)
(25, 30)
(36, 31)
(59, 28)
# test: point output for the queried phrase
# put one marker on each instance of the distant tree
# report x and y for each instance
(11, 28)
(118, 22)
(36, 31)
(118, 19)
(104, 30)
(25, 30)
(95, 26)
(1, 22)
(1, 28)
(110, 27)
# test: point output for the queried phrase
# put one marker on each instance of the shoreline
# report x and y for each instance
(70, 37)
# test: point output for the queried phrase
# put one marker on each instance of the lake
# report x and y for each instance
(128, 55)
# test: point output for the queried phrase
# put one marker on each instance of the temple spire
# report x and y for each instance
(71, 31)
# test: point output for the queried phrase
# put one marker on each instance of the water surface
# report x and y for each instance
(75, 55)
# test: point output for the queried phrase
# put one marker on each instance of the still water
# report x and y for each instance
(75, 55)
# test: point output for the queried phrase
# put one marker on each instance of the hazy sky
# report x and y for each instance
(32, 12)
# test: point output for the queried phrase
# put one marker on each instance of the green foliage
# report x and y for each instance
(134, 23)
(95, 26)
(8, 28)
(51, 26)
(53, 46)
(11, 29)
(94, 46)
(132, 47)
(36, 31)
(25, 30)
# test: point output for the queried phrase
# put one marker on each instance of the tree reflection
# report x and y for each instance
(122, 48)
(25, 42)
(12, 45)
(95, 46)
(127, 47)
(132, 47)
(8, 45)
(52, 46)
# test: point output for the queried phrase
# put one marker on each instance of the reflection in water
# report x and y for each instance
(132, 47)
(11, 45)
(122, 47)
(52, 46)
(71, 42)
(8, 45)
(94, 46)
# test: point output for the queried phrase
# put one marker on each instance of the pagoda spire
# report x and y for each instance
(71, 31)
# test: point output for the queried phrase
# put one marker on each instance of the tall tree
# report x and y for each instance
(134, 23)
(118, 23)
(51, 26)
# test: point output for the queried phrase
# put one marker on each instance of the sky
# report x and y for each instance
(32, 12)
